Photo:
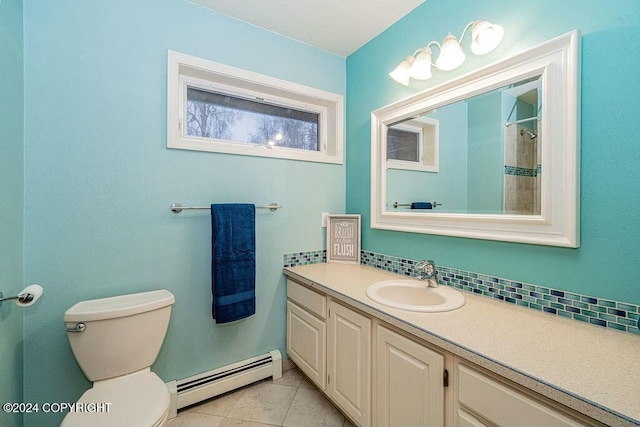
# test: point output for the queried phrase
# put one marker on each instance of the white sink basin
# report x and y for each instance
(415, 295)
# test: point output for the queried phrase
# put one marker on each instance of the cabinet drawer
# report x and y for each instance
(311, 300)
(503, 405)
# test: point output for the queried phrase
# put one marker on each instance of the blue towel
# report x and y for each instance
(233, 261)
(421, 205)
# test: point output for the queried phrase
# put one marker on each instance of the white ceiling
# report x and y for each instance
(337, 26)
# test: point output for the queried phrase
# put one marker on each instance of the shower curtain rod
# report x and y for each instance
(530, 119)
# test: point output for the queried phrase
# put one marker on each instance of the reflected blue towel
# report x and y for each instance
(421, 205)
(233, 261)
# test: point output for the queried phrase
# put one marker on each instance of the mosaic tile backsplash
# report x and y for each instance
(597, 311)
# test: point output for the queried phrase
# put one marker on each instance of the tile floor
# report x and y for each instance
(291, 401)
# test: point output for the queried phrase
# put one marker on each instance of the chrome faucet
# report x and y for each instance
(426, 270)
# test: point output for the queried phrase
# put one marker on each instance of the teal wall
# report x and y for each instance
(606, 263)
(100, 180)
(11, 204)
(485, 158)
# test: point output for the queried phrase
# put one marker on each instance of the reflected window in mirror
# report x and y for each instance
(414, 145)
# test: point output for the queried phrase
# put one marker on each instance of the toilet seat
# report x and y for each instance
(138, 399)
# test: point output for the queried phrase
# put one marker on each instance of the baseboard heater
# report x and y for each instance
(209, 384)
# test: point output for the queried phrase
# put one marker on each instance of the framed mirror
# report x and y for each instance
(490, 155)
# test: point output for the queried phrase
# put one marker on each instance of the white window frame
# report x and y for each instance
(428, 156)
(185, 70)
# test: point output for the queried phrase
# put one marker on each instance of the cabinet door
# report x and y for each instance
(349, 362)
(409, 382)
(306, 343)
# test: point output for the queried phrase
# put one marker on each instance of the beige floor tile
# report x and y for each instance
(292, 378)
(265, 402)
(230, 422)
(347, 423)
(311, 409)
(220, 405)
(306, 383)
(194, 419)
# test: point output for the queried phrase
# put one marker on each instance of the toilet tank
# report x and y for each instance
(122, 334)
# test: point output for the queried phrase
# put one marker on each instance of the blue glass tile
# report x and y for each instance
(535, 294)
(516, 284)
(607, 317)
(558, 306)
(575, 297)
(627, 322)
(617, 312)
(557, 293)
(509, 299)
(598, 322)
(550, 298)
(607, 303)
(581, 318)
(589, 300)
(627, 307)
(572, 309)
(565, 301)
(549, 310)
(500, 297)
(616, 326)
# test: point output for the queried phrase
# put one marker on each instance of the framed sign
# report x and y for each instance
(343, 239)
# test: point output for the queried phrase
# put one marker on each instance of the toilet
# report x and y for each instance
(115, 341)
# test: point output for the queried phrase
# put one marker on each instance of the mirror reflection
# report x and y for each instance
(479, 155)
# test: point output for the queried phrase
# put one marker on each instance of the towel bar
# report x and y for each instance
(177, 207)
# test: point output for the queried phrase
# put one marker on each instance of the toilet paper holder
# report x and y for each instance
(23, 298)
(26, 297)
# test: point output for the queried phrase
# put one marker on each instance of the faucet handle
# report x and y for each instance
(426, 269)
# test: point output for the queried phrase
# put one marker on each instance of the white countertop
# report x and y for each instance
(591, 369)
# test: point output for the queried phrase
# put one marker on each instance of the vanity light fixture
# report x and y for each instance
(485, 37)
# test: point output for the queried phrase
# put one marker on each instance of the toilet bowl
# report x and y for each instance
(115, 341)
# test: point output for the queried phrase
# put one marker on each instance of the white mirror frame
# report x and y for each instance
(557, 63)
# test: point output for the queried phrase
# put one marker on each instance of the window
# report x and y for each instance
(403, 145)
(217, 108)
(414, 145)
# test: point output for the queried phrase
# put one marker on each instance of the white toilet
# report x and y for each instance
(115, 341)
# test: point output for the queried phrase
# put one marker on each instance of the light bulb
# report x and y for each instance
(421, 68)
(485, 37)
(451, 55)
(401, 72)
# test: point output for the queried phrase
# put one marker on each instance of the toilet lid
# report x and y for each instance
(140, 399)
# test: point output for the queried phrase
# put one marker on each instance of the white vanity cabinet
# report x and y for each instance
(409, 382)
(379, 375)
(484, 400)
(349, 362)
